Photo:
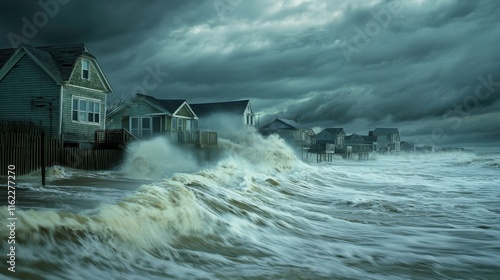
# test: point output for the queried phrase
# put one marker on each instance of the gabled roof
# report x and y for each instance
(360, 139)
(334, 131)
(289, 124)
(385, 131)
(59, 61)
(167, 106)
(228, 107)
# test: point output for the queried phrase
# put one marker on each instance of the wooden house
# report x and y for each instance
(145, 116)
(290, 130)
(361, 143)
(333, 136)
(226, 117)
(388, 139)
(60, 88)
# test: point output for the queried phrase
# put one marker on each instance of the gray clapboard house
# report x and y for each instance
(361, 143)
(334, 136)
(226, 117)
(290, 130)
(388, 139)
(145, 116)
(60, 88)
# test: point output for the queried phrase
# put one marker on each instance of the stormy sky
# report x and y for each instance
(429, 67)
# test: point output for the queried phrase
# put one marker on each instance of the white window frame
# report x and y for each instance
(140, 131)
(82, 116)
(87, 62)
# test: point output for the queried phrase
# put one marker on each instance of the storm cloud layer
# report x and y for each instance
(430, 68)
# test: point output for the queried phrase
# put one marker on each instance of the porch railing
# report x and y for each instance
(199, 137)
(113, 137)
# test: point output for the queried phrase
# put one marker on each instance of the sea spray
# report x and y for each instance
(157, 158)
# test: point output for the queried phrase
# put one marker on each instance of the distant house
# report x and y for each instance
(333, 136)
(290, 130)
(145, 116)
(389, 139)
(60, 88)
(407, 147)
(361, 143)
(226, 117)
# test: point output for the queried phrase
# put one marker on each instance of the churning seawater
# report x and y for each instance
(260, 213)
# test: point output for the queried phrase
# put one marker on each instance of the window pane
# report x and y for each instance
(91, 117)
(146, 123)
(75, 104)
(96, 108)
(134, 123)
(174, 124)
(91, 106)
(75, 115)
(83, 105)
(156, 124)
(82, 116)
(96, 117)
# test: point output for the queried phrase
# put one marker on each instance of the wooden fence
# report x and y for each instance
(25, 152)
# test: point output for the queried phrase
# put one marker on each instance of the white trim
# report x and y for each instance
(93, 89)
(130, 100)
(104, 109)
(189, 109)
(103, 80)
(73, 97)
(61, 110)
(83, 60)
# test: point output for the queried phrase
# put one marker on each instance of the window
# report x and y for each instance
(174, 124)
(134, 126)
(86, 110)
(85, 69)
(144, 127)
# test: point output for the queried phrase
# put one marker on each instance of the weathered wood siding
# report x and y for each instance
(136, 108)
(325, 137)
(184, 112)
(95, 81)
(78, 131)
(25, 82)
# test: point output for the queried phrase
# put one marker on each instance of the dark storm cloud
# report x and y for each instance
(414, 70)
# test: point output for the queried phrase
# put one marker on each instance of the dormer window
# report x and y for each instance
(85, 69)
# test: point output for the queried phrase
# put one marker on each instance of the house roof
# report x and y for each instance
(169, 106)
(228, 107)
(287, 122)
(334, 130)
(360, 139)
(60, 60)
(385, 131)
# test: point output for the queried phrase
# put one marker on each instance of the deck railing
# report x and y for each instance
(198, 137)
(113, 137)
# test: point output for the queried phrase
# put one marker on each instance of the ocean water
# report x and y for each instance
(258, 212)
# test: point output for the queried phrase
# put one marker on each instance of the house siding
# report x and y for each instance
(77, 131)
(94, 81)
(184, 112)
(137, 108)
(25, 82)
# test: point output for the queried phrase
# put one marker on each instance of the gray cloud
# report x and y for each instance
(286, 57)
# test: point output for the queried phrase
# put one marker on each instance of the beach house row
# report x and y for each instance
(63, 91)
(334, 140)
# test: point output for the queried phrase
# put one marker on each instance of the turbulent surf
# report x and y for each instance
(258, 212)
